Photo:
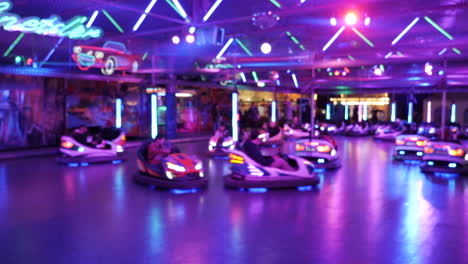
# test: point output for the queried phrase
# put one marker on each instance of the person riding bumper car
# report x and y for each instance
(92, 145)
(220, 143)
(173, 171)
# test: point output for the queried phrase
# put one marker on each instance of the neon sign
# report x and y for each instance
(53, 26)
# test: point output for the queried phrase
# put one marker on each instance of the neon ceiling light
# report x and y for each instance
(254, 75)
(442, 51)
(211, 10)
(143, 16)
(169, 2)
(112, 20)
(51, 52)
(441, 30)
(92, 18)
(243, 47)
(351, 57)
(13, 45)
(144, 56)
(295, 40)
(276, 3)
(395, 41)
(226, 46)
(52, 26)
(180, 8)
(242, 75)
(363, 37)
(457, 51)
(337, 34)
(388, 55)
(296, 84)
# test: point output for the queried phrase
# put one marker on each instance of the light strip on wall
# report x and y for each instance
(410, 112)
(429, 111)
(226, 46)
(337, 34)
(453, 116)
(118, 113)
(346, 110)
(328, 113)
(393, 112)
(143, 16)
(395, 41)
(273, 111)
(92, 18)
(234, 118)
(154, 116)
(364, 114)
(211, 10)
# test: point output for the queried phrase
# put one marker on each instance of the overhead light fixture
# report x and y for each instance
(367, 21)
(226, 46)
(265, 48)
(190, 38)
(92, 18)
(351, 18)
(180, 8)
(296, 83)
(333, 21)
(192, 29)
(175, 39)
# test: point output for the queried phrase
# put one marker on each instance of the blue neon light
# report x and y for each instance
(73, 164)
(453, 116)
(328, 113)
(296, 84)
(321, 161)
(84, 163)
(304, 188)
(410, 112)
(258, 190)
(452, 165)
(242, 75)
(180, 8)
(273, 111)
(184, 191)
(117, 161)
(346, 110)
(118, 113)
(401, 152)
(393, 114)
(430, 163)
(154, 116)
(419, 154)
(235, 128)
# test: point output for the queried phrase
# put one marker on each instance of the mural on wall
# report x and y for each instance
(111, 57)
(31, 112)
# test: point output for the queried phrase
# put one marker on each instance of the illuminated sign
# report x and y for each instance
(53, 26)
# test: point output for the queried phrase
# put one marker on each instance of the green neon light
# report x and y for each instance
(53, 26)
(243, 47)
(144, 56)
(254, 75)
(177, 10)
(434, 24)
(116, 25)
(457, 51)
(13, 45)
(399, 53)
(294, 39)
(288, 33)
(203, 77)
(363, 37)
(330, 74)
(351, 57)
(302, 47)
(276, 3)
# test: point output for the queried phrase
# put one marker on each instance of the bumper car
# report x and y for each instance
(294, 133)
(428, 130)
(175, 171)
(218, 146)
(389, 133)
(409, 147)
(331, 129)
(75, 152)
(247, 173)
(357, 130)
(445, 157)
(321, 151)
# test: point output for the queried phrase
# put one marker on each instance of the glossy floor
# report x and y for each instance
(372, 210)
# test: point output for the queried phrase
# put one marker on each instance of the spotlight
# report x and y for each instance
(428, 68)
(175, 40)
(441, 72)
(17, 60)
(192, 30)
(333, 21)
(265, 48)
(377, 70)
(190, 38)
(367, 21)
(351, 18)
